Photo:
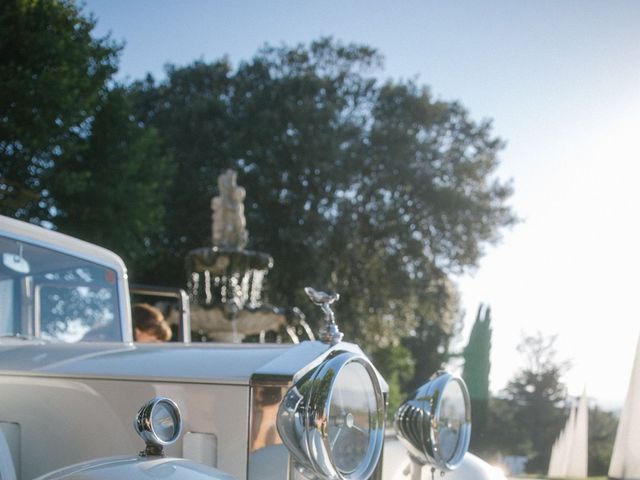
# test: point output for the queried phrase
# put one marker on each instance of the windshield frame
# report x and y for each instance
(64, 244)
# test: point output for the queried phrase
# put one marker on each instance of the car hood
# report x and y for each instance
(199, 363)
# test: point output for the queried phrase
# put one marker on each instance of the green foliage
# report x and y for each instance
(602, 434)
(190, 113)
(538, 397)
(437, 321)
(477, 366)
(397, 367)
(504, 435)
(528, 415)
(52, 77)
(112, 192)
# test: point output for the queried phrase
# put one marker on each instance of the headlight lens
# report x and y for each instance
(352, 406)
(333, 419)
(451, 421)
(435, 423)
(164, 421)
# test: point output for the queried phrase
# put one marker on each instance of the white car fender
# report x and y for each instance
(137, 468)
(397, 465)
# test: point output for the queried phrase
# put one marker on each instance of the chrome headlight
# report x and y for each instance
(435, 423)
(332, 420)
(158, 423)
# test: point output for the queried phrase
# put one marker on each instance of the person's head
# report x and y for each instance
(149, 324)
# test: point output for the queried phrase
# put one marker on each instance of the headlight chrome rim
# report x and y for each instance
(304, 420)
(417, 423)
(147, 429)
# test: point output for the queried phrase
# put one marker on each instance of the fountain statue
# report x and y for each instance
(225, 280)
(228, 229)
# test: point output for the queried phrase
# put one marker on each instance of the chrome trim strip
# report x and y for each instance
(265, 401)
(37, 314)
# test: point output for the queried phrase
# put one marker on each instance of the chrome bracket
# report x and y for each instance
(330, 334)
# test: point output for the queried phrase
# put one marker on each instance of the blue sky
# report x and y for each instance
(560, 80)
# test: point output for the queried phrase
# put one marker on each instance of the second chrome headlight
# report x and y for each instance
(332, 420)
(435, 422)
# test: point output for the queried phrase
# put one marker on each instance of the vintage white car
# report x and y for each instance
(72, 381)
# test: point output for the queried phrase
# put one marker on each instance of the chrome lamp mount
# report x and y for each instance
(330, 334)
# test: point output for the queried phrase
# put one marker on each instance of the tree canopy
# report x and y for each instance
(53, 73)
(537, 399)
(376, 190)
(112, 190)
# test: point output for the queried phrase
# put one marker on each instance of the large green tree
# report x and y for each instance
(437, 319)
(53, 73)
(375, 190)
(112, 191)
(477, 367)
(190, 110)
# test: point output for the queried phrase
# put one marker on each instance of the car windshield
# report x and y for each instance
(49, 295)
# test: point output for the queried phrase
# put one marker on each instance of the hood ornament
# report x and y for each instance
(330, 334)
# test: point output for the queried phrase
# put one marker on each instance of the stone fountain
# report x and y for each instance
(225, 280)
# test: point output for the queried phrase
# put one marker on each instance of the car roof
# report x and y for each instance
(58, 241)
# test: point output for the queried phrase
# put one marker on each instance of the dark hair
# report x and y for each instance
(149, 319)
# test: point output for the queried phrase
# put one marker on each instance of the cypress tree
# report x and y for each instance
(477, 366)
